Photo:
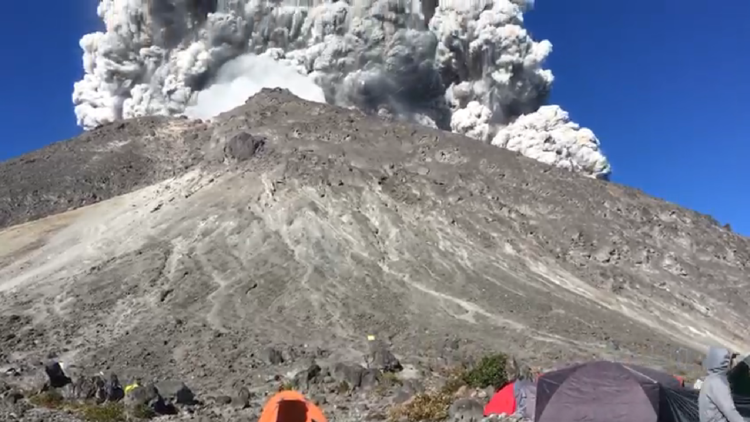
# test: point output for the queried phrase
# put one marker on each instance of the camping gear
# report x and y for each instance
(131, 387)
(516, 397)
(290, 406)
(602, 391)
(680, 379)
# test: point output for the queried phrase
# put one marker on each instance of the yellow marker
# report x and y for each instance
(131, 387)
(371, 337)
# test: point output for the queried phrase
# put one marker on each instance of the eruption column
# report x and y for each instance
(468, 66)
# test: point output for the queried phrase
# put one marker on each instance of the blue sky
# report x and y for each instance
(661, 82)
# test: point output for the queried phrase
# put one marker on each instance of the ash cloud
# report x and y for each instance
(472, 68)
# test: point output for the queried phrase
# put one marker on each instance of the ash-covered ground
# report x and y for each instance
(169, 248)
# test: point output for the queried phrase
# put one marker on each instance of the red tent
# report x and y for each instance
(504, 401)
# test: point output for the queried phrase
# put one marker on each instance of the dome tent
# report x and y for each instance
(517, 397)
(290, 406)
(603, 391)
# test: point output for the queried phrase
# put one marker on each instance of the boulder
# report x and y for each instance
(382, 358)
(115, 391)
(55, 375)
(242, 399)
(143, 401)
(242, 146)
(306, 378)
(175, 392)
(350, 373)
(222, 400)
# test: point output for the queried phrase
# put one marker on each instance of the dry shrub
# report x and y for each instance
(424, 407)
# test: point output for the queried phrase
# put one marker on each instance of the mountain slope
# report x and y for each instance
(294, 223)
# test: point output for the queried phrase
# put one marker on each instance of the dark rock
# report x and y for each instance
(223, 400)
(12, 372)
(272, 356)
(382, 358)
(175, 392)
(242, 399)
(115, 391)
(164, 294)
(466, 410)
(144, 400)
(308, 377)
(349, 373)
(55, 375)
(243, 146)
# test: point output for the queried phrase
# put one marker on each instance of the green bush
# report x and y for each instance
(51, 399)
(489, 372)
(109, 412)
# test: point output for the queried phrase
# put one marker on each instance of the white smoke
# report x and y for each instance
(473, 69)
(245, 76)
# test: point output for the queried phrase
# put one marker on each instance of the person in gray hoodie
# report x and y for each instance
(715, 402)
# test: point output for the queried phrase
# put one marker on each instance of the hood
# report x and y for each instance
(717, 360)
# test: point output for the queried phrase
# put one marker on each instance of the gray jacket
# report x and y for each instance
(715, 401)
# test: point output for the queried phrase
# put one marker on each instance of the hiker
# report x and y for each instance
(715, 402)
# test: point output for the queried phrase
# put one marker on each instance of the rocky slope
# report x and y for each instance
(165, 248)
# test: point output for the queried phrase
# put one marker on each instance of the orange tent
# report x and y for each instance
(290, 406)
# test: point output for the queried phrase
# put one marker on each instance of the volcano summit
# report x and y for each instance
(169, 247)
